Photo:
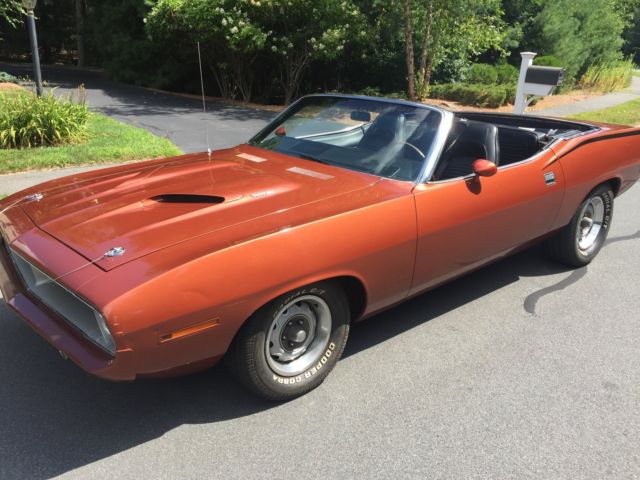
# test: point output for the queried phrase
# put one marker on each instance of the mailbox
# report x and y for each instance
(535, 81)
(542, 80)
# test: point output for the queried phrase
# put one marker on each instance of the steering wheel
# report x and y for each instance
(416, 149)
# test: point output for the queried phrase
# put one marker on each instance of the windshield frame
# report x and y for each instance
(431, 156)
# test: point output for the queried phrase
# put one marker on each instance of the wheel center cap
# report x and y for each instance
(299, 336)
(295, 333)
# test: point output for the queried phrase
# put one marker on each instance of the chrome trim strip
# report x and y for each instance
(436, 147)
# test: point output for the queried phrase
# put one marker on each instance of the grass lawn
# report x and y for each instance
(623, 114)
(109, 141)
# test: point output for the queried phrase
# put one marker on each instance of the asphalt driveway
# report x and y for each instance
(178, 118)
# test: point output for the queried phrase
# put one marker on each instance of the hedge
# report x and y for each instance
(478, 95)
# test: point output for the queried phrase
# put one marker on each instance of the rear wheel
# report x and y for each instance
(579, 242)
(290, 345)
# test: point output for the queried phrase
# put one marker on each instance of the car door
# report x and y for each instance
(465, 222)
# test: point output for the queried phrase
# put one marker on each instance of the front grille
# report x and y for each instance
(70, 307)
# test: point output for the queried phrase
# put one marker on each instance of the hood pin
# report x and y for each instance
(115, 252)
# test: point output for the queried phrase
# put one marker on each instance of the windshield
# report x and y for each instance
(382, 138)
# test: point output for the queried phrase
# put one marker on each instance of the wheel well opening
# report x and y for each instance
(615, 184)
(356, 295)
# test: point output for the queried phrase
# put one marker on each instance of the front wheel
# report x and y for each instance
(290, 345)
(579, 242)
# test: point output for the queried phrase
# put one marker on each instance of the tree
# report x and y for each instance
(581, 34)
(453, 29)
(301, 31)
(230, 37)
(80, 14)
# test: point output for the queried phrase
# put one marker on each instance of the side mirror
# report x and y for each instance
(484, 168)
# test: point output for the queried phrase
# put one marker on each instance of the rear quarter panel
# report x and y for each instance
(591, 160)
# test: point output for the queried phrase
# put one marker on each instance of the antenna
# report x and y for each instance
(204, 104)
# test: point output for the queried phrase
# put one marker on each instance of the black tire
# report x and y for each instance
(248, 356)
(565, 246)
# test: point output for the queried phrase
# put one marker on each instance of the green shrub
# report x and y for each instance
(608, 77)
(507, 74)
(28, 121)
(547, 61)
(370, 92)
(6, 78)
(510, 93)
(482, 73)
(487, 96)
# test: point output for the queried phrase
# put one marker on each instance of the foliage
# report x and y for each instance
(547, 61)
(234, 33)
(117, 40)
(28, 121)
(274, 50)
(507, 74)
(6, 78)
(11, 12)
(448, 32)
(107, 141)
(608, 77)
(331, 27)
(624, 114)
(482, 73)
(581, 34)
(230, 37)
(479, 95)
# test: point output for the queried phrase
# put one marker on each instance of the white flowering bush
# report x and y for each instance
(288, 34)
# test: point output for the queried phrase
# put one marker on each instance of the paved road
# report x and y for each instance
(597, 103)
(178, 118)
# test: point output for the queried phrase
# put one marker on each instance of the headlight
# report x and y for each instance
(66, 304)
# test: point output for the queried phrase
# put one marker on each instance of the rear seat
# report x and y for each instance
(517, 144)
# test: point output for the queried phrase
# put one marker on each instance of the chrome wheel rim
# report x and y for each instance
(298, 335)
(590, 224)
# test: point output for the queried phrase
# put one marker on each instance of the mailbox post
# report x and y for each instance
(535, 81)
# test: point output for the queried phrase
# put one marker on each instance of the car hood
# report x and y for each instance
(143, 208)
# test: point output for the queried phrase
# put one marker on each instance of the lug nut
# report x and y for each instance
(300, 322)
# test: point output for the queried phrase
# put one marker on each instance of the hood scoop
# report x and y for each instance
(187, 198)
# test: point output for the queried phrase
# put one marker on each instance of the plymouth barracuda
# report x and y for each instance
(265, 253)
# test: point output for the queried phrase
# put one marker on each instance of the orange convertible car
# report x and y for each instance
(266, 252)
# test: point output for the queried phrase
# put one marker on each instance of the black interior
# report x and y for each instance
(388, 128)
(517, 144)
(468, 141)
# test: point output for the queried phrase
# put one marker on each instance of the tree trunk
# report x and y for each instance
(80, 32)
(425, 54)
(293, 70)
(408, 37)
